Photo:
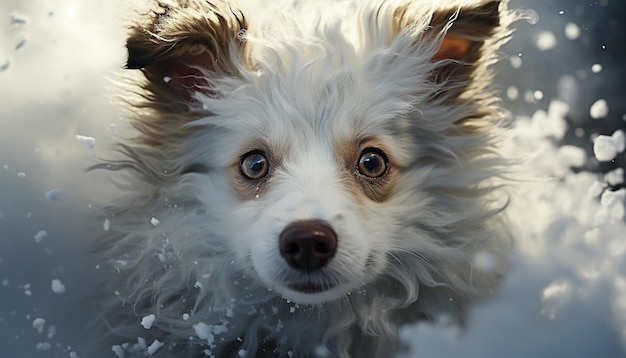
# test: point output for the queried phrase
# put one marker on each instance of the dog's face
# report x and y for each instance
(313, 151)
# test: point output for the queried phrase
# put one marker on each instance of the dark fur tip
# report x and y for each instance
(489, 14)
(138, 56)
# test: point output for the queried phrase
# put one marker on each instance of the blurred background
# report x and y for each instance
(58, 61)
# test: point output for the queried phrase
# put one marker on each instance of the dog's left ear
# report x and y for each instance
(462, 35)
(180, 42)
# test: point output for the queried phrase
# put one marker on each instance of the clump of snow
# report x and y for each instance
(154, 347)
(605, 148)
(599, 109)
(596, 68)
(147, 321)
(40, 235)
(208, 332)
(52, 331)
(154, 221)
(572, 156)
(55, 195)
(118, 350)
(88, 142)
(572, 31)
(554, 297)
(43, 346)
(512, 92)
(546, 41)
(57, 286)
(615, 177)
(38, 324)
(613, 205)
(515, 61)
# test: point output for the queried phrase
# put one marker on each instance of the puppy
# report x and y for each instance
(306, 177)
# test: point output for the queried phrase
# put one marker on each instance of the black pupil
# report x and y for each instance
(372, 164)
(255, 165)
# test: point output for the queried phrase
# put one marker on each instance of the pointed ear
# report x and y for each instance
(462, 36)
(465, 31)
(178, 43)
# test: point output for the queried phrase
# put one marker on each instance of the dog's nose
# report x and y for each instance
(308, 245)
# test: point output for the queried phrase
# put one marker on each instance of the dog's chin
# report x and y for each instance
(308, 293)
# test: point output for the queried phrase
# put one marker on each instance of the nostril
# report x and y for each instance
(308, 245)
(292, 248)
(323, 248)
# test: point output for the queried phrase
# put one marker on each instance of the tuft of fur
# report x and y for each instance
(311, 86)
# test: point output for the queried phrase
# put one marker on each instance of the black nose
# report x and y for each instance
(308, 245)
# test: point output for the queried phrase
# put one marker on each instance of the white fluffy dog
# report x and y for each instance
(308, 177)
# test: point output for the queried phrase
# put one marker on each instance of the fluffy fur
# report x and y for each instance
(311, 87)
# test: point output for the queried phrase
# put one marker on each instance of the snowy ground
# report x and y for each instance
(563, 81)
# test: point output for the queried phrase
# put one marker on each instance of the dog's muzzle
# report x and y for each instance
(308, 245)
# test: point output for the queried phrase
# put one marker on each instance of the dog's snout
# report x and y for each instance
(308, 245)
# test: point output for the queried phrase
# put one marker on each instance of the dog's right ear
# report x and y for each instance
(180, 42)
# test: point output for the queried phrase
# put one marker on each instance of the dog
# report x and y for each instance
(306, 177)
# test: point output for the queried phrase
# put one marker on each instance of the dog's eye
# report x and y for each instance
(372, 163)
(254, 165)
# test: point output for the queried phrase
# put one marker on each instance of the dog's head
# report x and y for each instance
(329, 152)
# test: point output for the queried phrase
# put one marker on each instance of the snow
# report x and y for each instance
(596, 68)
(208, 332)
(147, 321)
(40, 235)
(565, 294)
(599, 109)
(614, 177)
(88, 142)
(106, 224)
(55, 195)
(154, 347)
(38, 324)
(546, 41)
(118, 351)
(605, 148)
(57, 286)
(572, 31)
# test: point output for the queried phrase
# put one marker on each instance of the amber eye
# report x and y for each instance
(372, 163)
(254, 165)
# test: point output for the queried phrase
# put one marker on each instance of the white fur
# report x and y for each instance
(319, 75)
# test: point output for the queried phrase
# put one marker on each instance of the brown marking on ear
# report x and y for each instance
(452, 47)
